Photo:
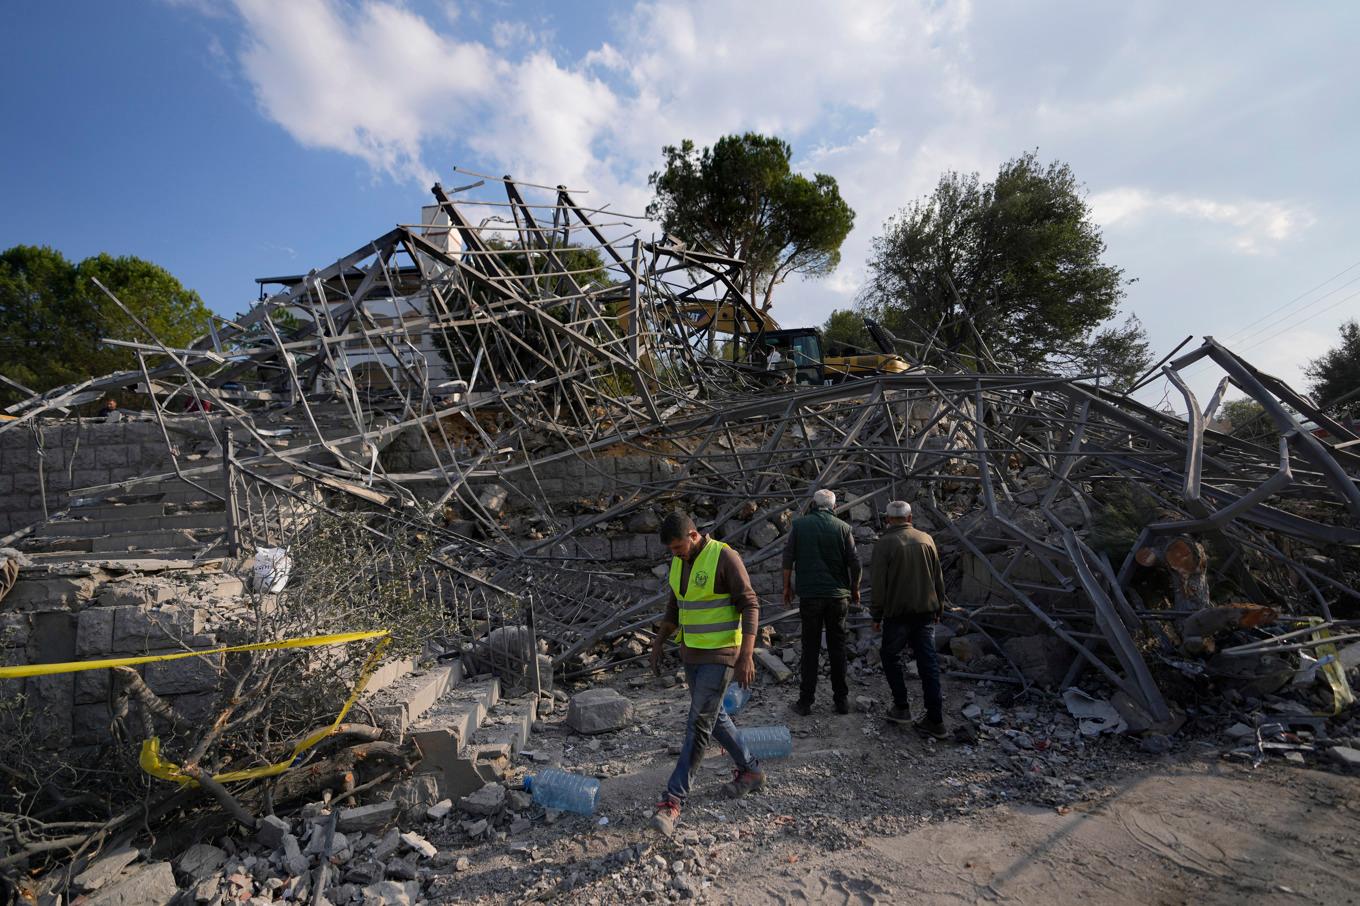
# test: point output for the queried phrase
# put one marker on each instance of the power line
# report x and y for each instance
(1298, 297)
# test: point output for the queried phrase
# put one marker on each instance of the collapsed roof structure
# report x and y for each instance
(503, 336)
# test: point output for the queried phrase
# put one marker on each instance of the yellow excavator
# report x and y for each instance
(796, 354)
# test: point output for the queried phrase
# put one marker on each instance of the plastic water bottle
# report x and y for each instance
(767, 742)
(736, 698)
(563, 790)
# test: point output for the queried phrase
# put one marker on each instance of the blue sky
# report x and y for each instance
(228, 140)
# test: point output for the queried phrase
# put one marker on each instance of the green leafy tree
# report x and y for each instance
(1008, 270)
(52, 315)
(1248, 419)
(740, 198)
(1335, 376)
(846, 327)
(1119, 353)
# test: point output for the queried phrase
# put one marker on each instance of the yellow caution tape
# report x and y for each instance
(150, 758)
(1342, 694)
(154, 765)
(315, 641)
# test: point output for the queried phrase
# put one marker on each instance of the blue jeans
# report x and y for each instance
(707, 717)
(919, 632)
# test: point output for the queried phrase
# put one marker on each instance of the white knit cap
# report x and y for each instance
(824, 498)
(898, 509)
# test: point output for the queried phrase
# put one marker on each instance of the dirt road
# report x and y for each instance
(1191, 834)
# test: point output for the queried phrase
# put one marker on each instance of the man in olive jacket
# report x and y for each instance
(908, 599)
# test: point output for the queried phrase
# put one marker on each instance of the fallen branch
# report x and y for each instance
(223, 797)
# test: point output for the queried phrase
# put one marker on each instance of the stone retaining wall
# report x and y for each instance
(79, 453)
(74, 612)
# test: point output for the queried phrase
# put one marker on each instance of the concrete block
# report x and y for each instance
(187, 675)
(14, 629)
(92, 686)
(368, 817)
(27, 482)
(777, 667)
(50, 700)
(90, 723)
(142, 593)
(52, 637)
(599, 711)
(111, 455)
(138, 630)
(271, 831)
(487, 801)
(37, 592)
(427, 689)
(94, 632)
(84, 478)
(197, 707)
(1346, 757)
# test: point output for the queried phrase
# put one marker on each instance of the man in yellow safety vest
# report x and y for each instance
(717, 614)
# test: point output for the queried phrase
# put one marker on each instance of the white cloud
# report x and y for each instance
(884, 94)
(1255, 227)
(376, 81)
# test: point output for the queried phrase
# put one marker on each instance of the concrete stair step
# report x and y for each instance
(406, 700)
(503, 734)
(112, 525)
(177, 554)
(154, 540)
(44, 544)
(443, 735)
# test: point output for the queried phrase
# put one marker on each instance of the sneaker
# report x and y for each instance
(667, 816)
(899, 715)
(928, 727)
(842, 706)
(744, 782)
(801, 707)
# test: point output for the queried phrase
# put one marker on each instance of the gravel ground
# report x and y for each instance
(839, 820)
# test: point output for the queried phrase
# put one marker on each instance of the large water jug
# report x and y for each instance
(736, 698)
(563, 790)
(768, 742)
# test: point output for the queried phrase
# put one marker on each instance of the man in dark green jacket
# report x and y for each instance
(820, 550)
(908, 600)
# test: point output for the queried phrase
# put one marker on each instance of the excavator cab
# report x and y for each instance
(795, 355)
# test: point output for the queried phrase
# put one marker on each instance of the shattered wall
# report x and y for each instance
(81, 452)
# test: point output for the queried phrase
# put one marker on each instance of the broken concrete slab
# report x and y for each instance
(372, 817)
(149, 885)
(599, 711)
(391, 893)
(487, 801)
(105, 868)
(418, 844)
(294, 862)
(1345, 756)
(200, 861)
(271, 830)
(765, 658)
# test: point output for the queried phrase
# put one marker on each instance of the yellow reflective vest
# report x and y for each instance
(707, 620)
